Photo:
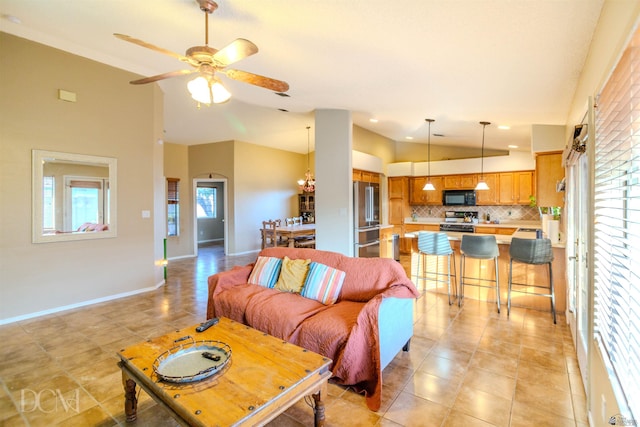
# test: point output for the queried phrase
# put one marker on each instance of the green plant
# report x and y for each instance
(532, 201)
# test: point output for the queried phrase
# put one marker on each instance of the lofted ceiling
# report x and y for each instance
(510, 62)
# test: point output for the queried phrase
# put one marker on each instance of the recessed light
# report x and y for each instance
(408, 137)
(504, 127)
(373, 120)
(512, 146)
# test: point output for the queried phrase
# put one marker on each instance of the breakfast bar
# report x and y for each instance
(523, 273)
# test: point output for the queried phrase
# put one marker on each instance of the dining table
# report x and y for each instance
(290, 232)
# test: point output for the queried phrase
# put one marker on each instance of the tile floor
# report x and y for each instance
(467, 367)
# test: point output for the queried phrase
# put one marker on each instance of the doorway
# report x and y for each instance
(209, 213)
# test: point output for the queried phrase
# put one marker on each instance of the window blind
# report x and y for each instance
(173, 196)
(617, 227)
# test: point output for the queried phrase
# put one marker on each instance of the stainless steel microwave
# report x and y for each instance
(459, 198)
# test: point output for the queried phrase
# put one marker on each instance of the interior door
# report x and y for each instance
(210, 211)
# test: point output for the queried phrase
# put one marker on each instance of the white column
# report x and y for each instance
(333, 173)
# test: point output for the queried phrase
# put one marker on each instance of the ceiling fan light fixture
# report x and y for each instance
(203, 89)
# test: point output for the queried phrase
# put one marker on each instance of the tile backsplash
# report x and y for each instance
(502, 213)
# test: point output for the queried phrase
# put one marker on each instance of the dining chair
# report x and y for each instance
(270, 236)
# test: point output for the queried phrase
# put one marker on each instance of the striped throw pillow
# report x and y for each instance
(323, 283)
(265, 271)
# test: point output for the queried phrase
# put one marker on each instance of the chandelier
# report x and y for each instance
(308, 184)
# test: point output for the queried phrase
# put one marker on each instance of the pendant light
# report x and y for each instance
(482, 185)
(429, 186)
(308, 184)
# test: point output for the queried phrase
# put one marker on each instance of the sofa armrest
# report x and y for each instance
(218, 282)
(395, 327)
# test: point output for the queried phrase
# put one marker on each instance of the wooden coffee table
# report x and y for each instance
(264, 377)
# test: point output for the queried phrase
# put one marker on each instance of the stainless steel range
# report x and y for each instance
(459, 221)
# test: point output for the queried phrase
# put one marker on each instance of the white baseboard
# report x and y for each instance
(80, 304)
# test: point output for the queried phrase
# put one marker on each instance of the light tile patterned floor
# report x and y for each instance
(467, 367)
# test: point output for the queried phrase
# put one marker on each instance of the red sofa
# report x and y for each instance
(367, 326)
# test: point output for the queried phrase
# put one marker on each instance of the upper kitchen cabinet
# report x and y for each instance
(460, 182)
(549, 172)
(515, 188)
(365, 176)
(488, 197)
(398, 200)
(418, 196)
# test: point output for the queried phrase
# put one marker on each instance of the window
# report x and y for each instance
(173, 206)
(49, 203)
(206, 202)
(86, 201)
(617, 227)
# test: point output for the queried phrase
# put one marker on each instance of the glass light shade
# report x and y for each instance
(482, 185)
(201, 91)
(220, 94)
(428, 186)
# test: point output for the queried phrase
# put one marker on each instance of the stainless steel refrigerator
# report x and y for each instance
(366, 211)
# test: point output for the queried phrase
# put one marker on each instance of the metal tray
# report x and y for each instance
(193, 361)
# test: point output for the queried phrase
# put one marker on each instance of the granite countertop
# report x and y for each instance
(501, 224)
(501, 239)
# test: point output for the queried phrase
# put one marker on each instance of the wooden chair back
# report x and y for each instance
(269, 233)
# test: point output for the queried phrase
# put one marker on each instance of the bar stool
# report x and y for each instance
(436, 244)
(481, 247)
(533, 252)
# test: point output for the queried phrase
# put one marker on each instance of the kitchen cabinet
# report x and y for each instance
(418, 196)
(406, 243)
(515, 188)
(460, 182)
(399, 207)
(365, 176)
(488, 197)
(495, 230)
(549, 172)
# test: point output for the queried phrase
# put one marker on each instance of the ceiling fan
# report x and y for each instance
(207, 61)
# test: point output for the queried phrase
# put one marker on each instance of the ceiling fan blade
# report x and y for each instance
(150, 46)
(234, 51)
(255, 79)
(162, 76)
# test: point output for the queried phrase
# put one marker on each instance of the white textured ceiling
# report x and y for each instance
(510, 62)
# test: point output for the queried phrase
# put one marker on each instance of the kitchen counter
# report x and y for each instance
(501, 224)
(501, 239)
(532, 273)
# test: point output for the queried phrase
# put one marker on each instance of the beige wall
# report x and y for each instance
(261, 184)
(110, 118)
(369, 142)
(176, 165)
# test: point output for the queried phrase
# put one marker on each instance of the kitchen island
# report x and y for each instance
(521, 272)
